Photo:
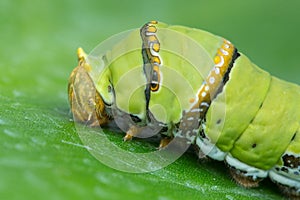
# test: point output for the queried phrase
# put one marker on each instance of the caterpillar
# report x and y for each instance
(187, 83)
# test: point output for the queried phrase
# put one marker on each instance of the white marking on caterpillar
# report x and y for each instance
(196, 110)
(204, 104)
(210, 149)
(221, 63)
(226, 46)
(250, 171)
(206, 88)
(283, 179)
(190, 118)
(224, 52)
(153, 53)
(147, 33)
(211, 80)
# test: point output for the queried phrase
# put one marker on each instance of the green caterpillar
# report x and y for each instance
(191, 84)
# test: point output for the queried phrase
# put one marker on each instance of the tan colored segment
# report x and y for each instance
(86, 104)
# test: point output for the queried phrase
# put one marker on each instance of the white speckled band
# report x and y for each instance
(251, 171)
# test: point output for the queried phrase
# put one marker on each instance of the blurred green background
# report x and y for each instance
(41, 155)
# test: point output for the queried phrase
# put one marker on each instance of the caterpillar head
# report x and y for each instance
(86, 103)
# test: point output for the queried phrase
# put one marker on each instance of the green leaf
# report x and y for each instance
(42, 156)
